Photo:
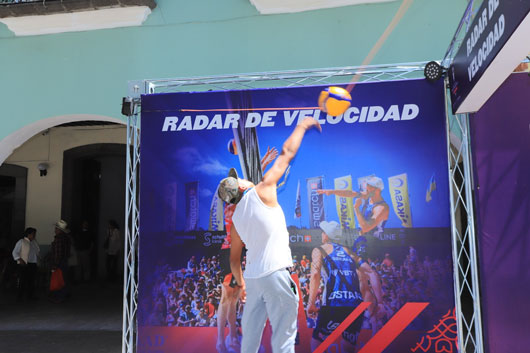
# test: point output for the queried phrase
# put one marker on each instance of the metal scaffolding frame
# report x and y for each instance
(294, 78)
(463, 236)
(132, 213)
(465, 257)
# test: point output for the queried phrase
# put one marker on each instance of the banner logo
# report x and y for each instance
(192, 206)
(398, 182)
(399, 191)
(443, 337)
(170, 206)
(299, 238)
(216, 213)
(344, 204)
(298, 203)
(316, 202)
(212, 239)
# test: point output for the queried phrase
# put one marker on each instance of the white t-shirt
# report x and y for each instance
(264, 232)
(27, 250)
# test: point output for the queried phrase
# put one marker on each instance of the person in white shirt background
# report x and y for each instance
(26, 253)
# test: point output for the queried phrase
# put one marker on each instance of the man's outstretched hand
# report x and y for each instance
(309, 123)
(312, 309)
(270, 156)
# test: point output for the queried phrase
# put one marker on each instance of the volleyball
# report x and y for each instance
(232, 147)
(334, 100)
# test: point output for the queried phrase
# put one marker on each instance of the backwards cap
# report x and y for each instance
(228, 190)
(375, 182)
(332, 229)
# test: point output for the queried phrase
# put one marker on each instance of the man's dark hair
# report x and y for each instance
(29, 231)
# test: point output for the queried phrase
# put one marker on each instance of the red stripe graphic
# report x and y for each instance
(244, 109)
(397, 324)
(343, 326)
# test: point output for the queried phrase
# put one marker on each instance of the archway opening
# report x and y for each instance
(85, 178)
(93, 191)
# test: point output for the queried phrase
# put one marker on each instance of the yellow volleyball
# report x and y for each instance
(334, 100)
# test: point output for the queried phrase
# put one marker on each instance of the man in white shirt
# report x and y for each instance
(259, 223)
(25, 253)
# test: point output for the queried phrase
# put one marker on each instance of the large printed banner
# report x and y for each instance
(369, 170)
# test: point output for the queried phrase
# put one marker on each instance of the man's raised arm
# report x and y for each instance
(340, 193)
(267, 187)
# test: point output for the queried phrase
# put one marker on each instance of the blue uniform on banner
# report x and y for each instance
(367, 212)
(341, 295)
(341, 281)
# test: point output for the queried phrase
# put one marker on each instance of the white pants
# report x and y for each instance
(274, 297)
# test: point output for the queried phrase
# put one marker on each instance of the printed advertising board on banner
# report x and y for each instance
(379, 171)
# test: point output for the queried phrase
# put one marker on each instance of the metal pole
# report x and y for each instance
(126, 325)
(455, 234)
(477, 317)
(130, 276)
(465, 260)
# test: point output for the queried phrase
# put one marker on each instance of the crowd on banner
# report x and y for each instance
(190, 296)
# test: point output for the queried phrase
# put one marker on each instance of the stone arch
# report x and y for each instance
(19, 137)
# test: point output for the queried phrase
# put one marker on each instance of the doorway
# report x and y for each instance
(13, 180)
(94, 190)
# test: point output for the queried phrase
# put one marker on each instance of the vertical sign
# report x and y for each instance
(316, 202)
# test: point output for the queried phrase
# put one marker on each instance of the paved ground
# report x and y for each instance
(89, 322)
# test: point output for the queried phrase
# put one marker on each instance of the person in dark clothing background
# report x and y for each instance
(60, 251)
(84, 245)
(113, 248)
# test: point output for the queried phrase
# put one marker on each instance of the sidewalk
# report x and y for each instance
(90, 321)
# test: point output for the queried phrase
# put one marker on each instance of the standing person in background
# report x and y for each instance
(113, 243)
(84, 245)
(60, 252)
(26, 253)
(387, 261)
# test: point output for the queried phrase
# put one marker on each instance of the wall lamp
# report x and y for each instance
(43, 169)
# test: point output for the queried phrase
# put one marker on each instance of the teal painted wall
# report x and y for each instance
(87, 72)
